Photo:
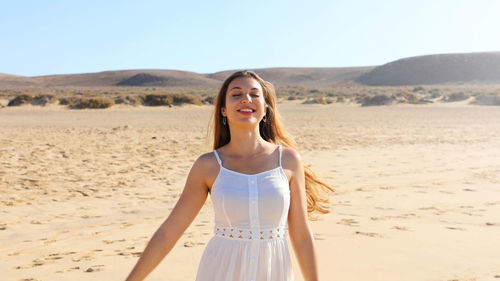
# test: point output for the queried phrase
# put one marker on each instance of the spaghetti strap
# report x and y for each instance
(217, 156)
(280, 153)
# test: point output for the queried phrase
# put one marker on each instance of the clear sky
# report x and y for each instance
(56, 37)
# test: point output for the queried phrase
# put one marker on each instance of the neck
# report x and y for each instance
(245, 142)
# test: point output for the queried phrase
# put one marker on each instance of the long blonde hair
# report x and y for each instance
(272, 131)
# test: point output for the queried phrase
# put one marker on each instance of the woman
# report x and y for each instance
(260, 191)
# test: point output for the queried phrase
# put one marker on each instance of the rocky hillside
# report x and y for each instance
(470, 68)
(298, 77)
(436, 69)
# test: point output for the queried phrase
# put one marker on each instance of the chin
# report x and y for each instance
(246, 123)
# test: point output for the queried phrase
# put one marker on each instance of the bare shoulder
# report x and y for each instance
(292, 162)
(206, 167)
(206, 162)
(291, 157)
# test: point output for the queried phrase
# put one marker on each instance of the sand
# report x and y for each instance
(418, 193)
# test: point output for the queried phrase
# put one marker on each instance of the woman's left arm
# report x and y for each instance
(299, 230)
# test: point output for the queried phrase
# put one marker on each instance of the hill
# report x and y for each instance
(16, 81)
(304, 77)
(172, 78)
(467, 68)
(436, 69)
(298, 77)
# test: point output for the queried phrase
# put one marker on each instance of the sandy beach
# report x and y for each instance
(418, 189)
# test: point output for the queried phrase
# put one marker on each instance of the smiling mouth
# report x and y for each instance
(246, 110)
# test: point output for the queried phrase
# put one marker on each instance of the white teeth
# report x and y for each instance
(246, 110)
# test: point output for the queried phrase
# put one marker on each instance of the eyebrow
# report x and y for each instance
(239, 88)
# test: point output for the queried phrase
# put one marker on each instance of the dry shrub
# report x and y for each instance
(170, 99)
(129, 100)
(43, 99)
(32, 99)
(96, 102)
(318, 100)
(418, 89)
(20, 100)
(460, 96)
(208, 100)
(69, 101)
(410, 97)
(186, 98)
(434, 93)
(377, 100)
(157, 100)
(487, 99)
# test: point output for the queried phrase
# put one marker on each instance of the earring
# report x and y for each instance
(224, 121)
(264, 119)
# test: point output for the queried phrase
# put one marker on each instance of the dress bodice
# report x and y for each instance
(251, 201)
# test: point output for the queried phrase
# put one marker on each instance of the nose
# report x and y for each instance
(246, 98)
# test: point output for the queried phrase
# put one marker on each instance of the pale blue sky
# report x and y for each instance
(56, 37)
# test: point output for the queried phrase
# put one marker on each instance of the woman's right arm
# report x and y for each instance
(189, 204)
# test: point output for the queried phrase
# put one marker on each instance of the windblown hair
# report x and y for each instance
(272, 131)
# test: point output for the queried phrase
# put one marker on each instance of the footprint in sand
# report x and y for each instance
(455, 228)
(403, 228)
(492, 203)
(378, 218)
(35, 263)
(130, 254)
(428, 208)
(344, 203)
(113, 241)
(82, 258)
(384, 208)
(53, 257)
(95, 268)
(68, 269)
(349, 222)
(370, 234)
(319, 236)
(446, 192)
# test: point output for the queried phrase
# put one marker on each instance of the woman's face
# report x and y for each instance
(245, 103)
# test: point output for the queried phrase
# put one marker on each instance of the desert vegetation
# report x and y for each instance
(99, 98)
(105, 98)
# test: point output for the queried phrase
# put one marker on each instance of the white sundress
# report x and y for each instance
(251, 214)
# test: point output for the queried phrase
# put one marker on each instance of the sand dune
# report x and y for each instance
(418, 189)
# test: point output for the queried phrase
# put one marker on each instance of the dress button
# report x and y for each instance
(254, 218)
(252, 258)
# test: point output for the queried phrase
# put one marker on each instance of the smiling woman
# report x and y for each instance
(260, 190)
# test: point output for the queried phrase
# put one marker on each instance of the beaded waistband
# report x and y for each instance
(232, 232)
